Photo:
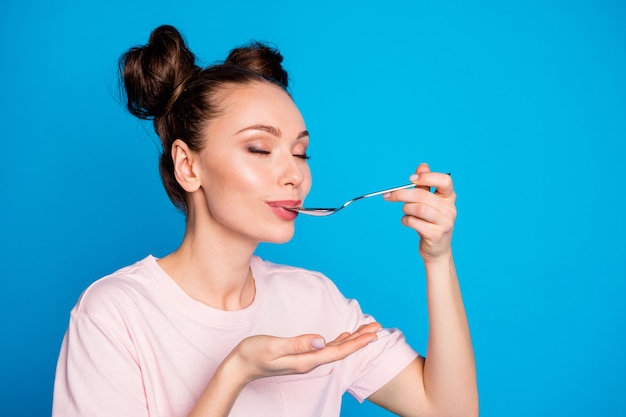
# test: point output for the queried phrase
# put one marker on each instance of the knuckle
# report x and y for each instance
(453, 214)
(420, 210)
(408, 221)
(303, 345)
(413, 209)
(273, 350)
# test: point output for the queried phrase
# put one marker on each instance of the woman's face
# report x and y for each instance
(254, 163)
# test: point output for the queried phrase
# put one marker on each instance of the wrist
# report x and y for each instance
(235, 370)
(221, 392)
(443, 259)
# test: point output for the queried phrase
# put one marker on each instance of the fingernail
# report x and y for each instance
(386, 195)
(414, 177)
(374, 339)
(318, 343)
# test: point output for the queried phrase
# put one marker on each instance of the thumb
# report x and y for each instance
(307, 343)
(423, 167)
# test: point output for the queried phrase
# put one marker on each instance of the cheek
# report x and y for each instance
(248, 174)
(230, 172)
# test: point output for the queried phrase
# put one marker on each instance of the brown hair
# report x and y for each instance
(163, 83)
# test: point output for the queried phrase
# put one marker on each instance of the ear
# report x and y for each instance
(185, 166)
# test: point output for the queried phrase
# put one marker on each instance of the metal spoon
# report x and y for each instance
(321, 212)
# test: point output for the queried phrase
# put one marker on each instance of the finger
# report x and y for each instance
(306, 361)
(336, 351)
(427, 230)
(365, 329)
(372, 327)
(442, 183)
(424, 180)
(422, 168)
(423, 204)
(301, 344)
(414, 195)
(343, 336)
(443, 215)
(311, 342)
(354, 343)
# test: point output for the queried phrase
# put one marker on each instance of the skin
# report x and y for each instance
(443, 384)
(262, 134)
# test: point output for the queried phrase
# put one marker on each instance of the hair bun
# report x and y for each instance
(261, 59)
(154, 74)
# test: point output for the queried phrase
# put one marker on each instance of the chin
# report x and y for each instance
(280, 236)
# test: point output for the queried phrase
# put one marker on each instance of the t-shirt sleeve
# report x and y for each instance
(378, 363)
(369, 369)
(97, 372)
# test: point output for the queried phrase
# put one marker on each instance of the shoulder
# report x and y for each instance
(117, 291)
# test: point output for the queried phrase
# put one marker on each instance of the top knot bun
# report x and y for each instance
(262, 59)
(154, 74)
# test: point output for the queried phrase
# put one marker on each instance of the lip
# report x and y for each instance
(278, 207)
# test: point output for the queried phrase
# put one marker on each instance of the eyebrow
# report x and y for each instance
(272, 130)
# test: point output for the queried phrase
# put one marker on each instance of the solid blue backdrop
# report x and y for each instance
(523, 101)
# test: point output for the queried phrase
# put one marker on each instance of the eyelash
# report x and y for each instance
(263, 152)
(259, 151)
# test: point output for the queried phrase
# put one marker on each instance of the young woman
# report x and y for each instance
(213, 330)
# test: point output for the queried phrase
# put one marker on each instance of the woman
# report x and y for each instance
(211, 329)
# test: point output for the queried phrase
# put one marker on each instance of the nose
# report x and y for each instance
(292, 171)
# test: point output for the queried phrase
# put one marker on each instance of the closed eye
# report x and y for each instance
(303, 156)
(258, 151)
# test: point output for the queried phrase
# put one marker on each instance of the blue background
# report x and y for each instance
(523, 101)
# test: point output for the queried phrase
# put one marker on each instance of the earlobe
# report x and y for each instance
(185, 166)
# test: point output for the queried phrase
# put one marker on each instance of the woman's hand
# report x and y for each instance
(432, 215)
(263, 356)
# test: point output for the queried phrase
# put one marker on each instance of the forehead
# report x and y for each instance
(258, 103)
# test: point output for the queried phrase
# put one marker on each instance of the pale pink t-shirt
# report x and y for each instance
(138, 345)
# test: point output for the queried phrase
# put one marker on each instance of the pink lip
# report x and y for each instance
(278, 207)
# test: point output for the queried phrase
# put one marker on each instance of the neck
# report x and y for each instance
(212, 265)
